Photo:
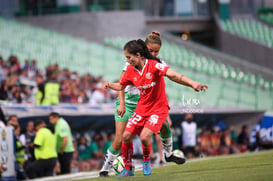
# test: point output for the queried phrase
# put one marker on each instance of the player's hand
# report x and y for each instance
(199, 87)
(106, 85)
(121, 110)
(3, 167)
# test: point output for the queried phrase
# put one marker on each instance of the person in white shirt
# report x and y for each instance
(189, 132)
(27, 139)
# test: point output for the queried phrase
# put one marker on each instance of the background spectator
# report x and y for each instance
(206, 147)
(27, 139)
(91, 156)
(243, 139)
(262, 143)
(65, 146)
(45, 152)
(227, 146)
(20, 155)
(189, 132)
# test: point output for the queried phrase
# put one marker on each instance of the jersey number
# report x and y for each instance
(135, 118)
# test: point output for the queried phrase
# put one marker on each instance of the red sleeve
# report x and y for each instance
(160, 68)
(125, 79)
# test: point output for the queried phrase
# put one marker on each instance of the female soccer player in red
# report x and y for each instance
(164, 141)
(146, 73)
(125, 106)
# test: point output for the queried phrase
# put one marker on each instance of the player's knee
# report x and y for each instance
(165, 123)
(163, 130)
(145, 139)
(127, 137)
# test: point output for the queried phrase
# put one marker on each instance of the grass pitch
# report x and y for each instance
(256, 166)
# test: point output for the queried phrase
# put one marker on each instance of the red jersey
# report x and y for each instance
(150, 82)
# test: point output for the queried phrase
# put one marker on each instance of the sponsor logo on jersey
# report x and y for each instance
(147, 86)
(160, 66)
(153, 119)
(148, 75)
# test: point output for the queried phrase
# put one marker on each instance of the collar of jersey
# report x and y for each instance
(141, 72)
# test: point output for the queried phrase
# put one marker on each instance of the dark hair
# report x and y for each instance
(153, 37)
(13, 115)
(139, 46)
(38, 122)
(54, 114)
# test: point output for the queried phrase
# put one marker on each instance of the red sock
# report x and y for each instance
(127, 154)
(146, 152)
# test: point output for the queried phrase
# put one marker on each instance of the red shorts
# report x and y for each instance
(153, 122)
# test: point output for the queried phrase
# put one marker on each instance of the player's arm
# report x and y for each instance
(182, 79)
(121, 108)
(64, 142)
(114, 86)
(38, 140)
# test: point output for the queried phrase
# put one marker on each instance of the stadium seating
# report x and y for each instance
(267, 17)
(228, 86)
(49, 47)
(250, 29)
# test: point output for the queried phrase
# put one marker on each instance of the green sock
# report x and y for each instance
(113, 151)
(167, 141)
(168, 132)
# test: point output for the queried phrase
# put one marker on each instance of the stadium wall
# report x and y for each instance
(92, 26)
(101, 118)
(180, 24)
(95, 26)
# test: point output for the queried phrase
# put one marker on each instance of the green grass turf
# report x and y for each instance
(256, 166)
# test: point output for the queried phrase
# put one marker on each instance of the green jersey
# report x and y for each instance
(62, 130)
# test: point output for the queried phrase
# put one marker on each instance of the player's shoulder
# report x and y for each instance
(151, 61)
(125, 66)
(157, 65)
(163, 62)
(130, 67)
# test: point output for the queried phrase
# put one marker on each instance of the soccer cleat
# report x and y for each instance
(125, 173)
(147, 168)
(104, 174)
(175, 159)
(107, 164)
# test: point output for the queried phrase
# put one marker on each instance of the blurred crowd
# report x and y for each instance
(88, 154)
(90, 147)
(28, 84)
(217, 139)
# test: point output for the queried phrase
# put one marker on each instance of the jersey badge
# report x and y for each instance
(148, 75)
(160, 66)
